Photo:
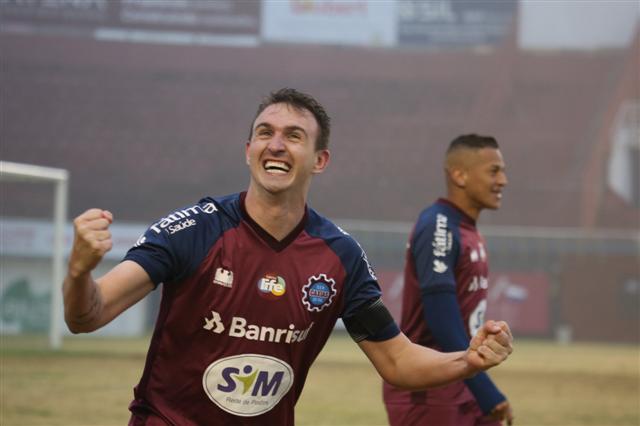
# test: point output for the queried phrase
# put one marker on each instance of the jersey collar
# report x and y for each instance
(465, 217)
(264, 235)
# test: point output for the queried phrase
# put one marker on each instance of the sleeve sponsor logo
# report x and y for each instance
(180, 226)
(141, 240)
(247, 385)
(369, 267)
(439, 266)
(185, 218)
(442, 238)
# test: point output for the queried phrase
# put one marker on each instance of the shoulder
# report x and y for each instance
(337, 238)
(437, 216)
(436, 231)
(207, 213)
(346, 248)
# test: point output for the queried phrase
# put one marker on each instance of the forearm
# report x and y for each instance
(410, 366)
(429, 368)
(82, 302)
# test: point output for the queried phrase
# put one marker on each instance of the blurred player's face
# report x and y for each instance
(281, 153)
(485, 178)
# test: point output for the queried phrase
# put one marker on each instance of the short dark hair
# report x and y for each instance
(300, 101)
(472, 141)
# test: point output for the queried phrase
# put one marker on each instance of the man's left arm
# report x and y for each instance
(410, 366)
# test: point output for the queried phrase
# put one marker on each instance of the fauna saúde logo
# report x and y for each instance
(247, 385)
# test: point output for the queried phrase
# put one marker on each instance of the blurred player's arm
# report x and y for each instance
(410, 366)
(442, 313)
(90, 304)
(441, 310)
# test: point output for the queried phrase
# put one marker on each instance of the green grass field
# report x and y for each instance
(90, 383)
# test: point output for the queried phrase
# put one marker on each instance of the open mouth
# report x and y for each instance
(276, 167)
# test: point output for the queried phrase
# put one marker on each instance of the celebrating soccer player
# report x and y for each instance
(253, 284)
(445, 291)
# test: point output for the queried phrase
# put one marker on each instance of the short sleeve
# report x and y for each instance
(173, 247)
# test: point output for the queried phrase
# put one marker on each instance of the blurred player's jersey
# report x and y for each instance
(243, 316)
(446, 252)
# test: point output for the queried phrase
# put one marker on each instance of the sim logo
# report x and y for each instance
(247, 385)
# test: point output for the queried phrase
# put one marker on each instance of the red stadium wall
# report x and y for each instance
(599, 297)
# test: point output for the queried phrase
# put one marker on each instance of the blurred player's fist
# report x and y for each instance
(491, 345)
(92, 239)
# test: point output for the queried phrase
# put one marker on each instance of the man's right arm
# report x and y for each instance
(90, 304)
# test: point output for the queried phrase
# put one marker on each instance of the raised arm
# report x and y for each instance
(90, 304)
(414, 367)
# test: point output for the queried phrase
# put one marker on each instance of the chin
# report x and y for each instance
(274, 186)
(491, 205)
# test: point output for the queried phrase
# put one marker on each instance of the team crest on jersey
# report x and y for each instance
(271, 286)
(318, 293)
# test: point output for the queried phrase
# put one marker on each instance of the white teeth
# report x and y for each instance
(276, 166)
(277, 171)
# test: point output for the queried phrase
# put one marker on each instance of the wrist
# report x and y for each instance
(76, 272)
(470, 369)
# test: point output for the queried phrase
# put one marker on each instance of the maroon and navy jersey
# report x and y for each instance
(444, 299)
(242, 316)
(446, 252)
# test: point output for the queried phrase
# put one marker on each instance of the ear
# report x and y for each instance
(458, 177)
(246, 152)
(322, 161)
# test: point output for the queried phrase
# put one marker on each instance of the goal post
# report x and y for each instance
(18, 172)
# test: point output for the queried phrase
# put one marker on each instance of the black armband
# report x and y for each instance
(371, 322)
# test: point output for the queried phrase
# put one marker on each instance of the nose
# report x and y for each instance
(502, 179)
(276, 143)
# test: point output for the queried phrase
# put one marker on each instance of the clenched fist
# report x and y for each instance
(92, 239)
(490, 346)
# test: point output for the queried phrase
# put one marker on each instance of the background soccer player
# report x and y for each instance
(445, 291)
(253, 284)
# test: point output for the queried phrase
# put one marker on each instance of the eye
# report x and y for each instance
(295, 136)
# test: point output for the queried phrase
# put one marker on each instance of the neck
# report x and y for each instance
(277, 214)
(464, 204)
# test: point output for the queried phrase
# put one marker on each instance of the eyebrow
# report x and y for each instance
(287, 128)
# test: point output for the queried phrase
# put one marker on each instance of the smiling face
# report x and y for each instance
(486, 178)
(281, 153)
(476, 179)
